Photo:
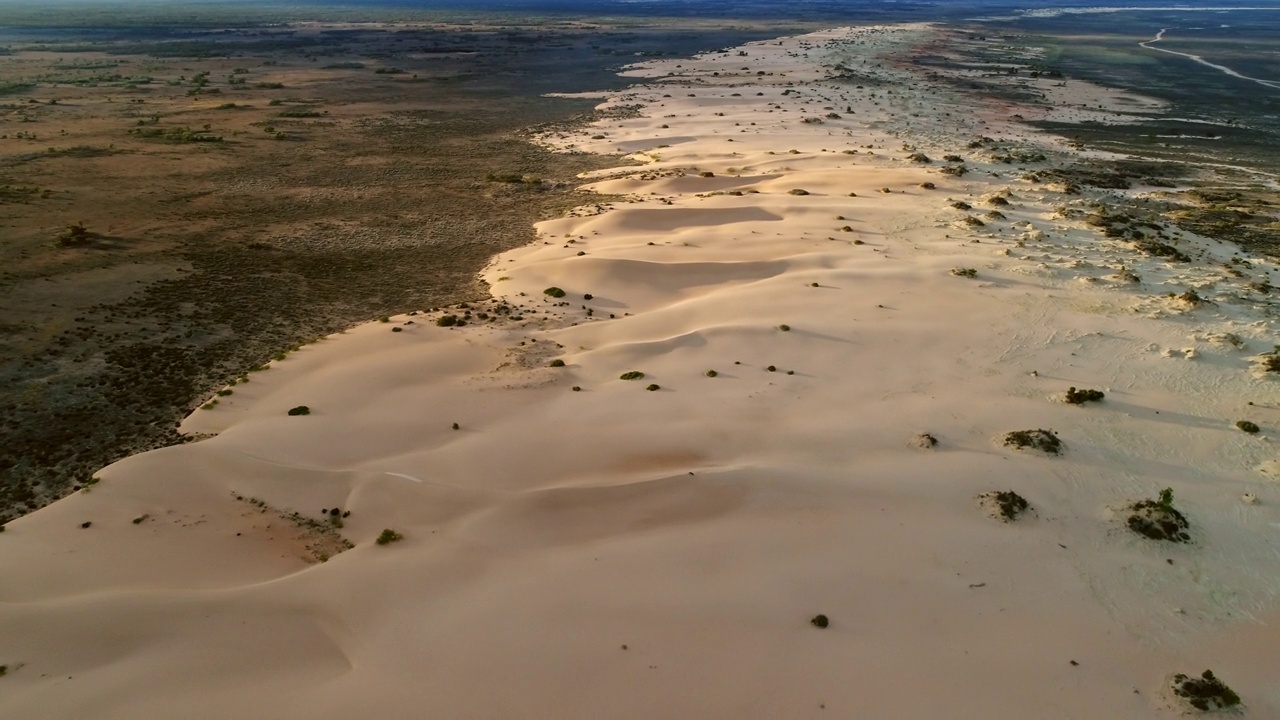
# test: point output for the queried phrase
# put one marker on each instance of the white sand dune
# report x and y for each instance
(582, 547)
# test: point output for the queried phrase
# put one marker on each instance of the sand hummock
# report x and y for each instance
(576, 545)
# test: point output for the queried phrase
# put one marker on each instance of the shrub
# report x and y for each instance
(820, 621)
(1247, 426)
(772, 368)
(798, 191)
(1158, 520)
(784, 327)
(577, 388)
(554, 292)
(1079, 397)
(1206, 692)
(712, 373)
(1007, 503)
(631, 375)
(447, 320)
(557, 363)
(300, 410)
(456, 426)
(653, 387)
(964, 272)
(389, 536)
(1044, 440)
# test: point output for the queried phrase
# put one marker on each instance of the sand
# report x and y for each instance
(625, 553)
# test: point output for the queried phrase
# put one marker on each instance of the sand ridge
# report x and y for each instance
(658, 546)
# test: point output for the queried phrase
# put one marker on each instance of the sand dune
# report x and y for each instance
(579, 545)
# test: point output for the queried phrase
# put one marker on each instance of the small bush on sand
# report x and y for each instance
(798, 191)
(784, 327)
(712, 373)
(300, 410)
(554, 292)
(1043, 440)
(820, 621)
(654, 387)
(1248, 426)
(1158, 519)
(1205, 693)
(631, 375)
(389, 536)
(1080, 397)
(447, 320)
(964, 272)
(557, 363)
(1005, 504)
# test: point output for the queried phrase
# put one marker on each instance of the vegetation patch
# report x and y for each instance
(1159, 519)
(1045, 441)
(389, 536)
(631, 375)
(1248, 426)
(1205, 693)
(964, 272)
(300, 410)
(1004, 504)
(554, 292)
(1080, 397)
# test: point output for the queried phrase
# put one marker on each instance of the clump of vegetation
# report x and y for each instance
(300, 410)
(1270, 361)
(74, 235)
(1006, 504)
(1158, 519)
(654, 387)
(1205, 693)
(447, 320)
(972, 221)
(798, 191)
(820, 621)
(711, 373)
(1248, 426)
(919, 157)
(956, 170)
(556, 363)
(964, 272)
(631, 375)
(1159, 249)
(1043, 440)
(554, 292)
(961, 205)
(925, 441)
(927, 186)
(997, 201)
(1079, 397)
(784, 327)
(389, 536)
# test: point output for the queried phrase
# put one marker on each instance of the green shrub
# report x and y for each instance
(712, 373)
(631, 375)
(653, 387)
(300, 410)
(389, 536)
(447, 320)
(554, 292)
(1247, 426)
(1079, 397)
(557, 363)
